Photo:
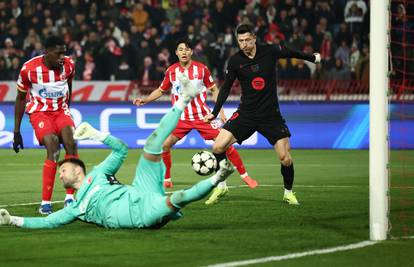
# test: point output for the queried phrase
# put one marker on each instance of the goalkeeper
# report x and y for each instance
(102, 200)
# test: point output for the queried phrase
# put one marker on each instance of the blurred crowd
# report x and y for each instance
(135, 40)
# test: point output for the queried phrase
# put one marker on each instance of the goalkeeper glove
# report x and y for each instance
(317, 57)
(4, 217)
(86, 131)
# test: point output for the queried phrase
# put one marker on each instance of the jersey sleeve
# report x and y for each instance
(166, 83)
(207, 79)
(71, 74)
(224, 92)
(23, 82)
(54, 220)
(283, 51)
(113, 162)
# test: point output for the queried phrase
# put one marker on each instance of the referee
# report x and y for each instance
(254, 65)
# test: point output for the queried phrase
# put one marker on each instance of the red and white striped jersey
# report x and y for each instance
(200, 76)
(48, 89)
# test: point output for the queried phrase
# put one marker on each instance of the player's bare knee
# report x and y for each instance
(286, 161)
(218, 149)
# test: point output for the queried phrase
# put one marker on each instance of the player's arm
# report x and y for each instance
(18, 116)
(215, 92)
(113, 162)
(70, 79)
(70, 92)
(56, 219)
(285, 52)
(157, 93)
(223, 93)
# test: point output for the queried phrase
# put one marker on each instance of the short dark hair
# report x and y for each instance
(244, 28)
(53, 41)
(75, 161)
(187, 42)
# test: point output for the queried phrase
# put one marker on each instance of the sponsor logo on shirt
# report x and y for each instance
(258, 83)
(45, 94)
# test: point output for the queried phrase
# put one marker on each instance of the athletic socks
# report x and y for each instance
(198, 191)
(166, 158)
(235, 159)
(48, 180)
(70, 191)
(219, 157)
(153, 145)
(288, 175)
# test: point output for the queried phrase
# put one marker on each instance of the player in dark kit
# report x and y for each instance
(255, 68)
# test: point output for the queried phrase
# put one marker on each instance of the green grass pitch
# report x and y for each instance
(332, 187)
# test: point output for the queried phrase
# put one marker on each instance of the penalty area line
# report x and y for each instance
(296, 255)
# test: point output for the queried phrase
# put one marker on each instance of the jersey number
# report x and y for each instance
(112, 179)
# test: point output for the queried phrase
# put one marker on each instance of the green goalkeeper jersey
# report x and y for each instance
(102, 200)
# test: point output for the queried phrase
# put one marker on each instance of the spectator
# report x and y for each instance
(124, 71)
(343, 53)
(88, 72)
(13, 72)
(301, 71)
(327, 47)
(343, 35)
(140, 17)
(147, 72)
(340, 71)
(320, 73)
(353, 59)
(362, 66)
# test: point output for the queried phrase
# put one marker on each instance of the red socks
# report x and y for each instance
(166, 157)
(48, 181)
(234, 157)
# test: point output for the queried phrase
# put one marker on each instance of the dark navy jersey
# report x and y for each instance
(257, 77)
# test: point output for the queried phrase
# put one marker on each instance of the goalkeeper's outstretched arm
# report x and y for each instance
(54, 220)
(114, 161)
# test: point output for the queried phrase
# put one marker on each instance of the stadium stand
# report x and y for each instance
(134, 40)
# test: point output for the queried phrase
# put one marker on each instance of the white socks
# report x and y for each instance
(287, 191)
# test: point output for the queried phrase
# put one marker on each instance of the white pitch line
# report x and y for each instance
(27, 204)
(296, 255)
(275, 164)
(305, 253)
(230, 186)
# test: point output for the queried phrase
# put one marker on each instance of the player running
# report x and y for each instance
(47, 80)
(102, 200)
(255, 68)
(194, 113)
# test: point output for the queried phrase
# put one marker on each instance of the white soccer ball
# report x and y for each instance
(204, 163)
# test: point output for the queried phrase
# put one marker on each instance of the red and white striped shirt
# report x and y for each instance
(48, 89)
(200, 76)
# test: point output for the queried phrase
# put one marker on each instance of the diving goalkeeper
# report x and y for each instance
(102, 200)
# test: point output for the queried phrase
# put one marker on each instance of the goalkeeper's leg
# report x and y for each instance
(153, 145)
(179, 199)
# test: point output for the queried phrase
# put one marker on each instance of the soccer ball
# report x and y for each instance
(204, 163)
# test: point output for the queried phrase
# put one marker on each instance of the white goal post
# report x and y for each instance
(378, 134)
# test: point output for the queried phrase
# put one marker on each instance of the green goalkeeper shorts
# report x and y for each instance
(149, 176)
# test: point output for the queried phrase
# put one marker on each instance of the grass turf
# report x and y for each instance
(332, 187)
